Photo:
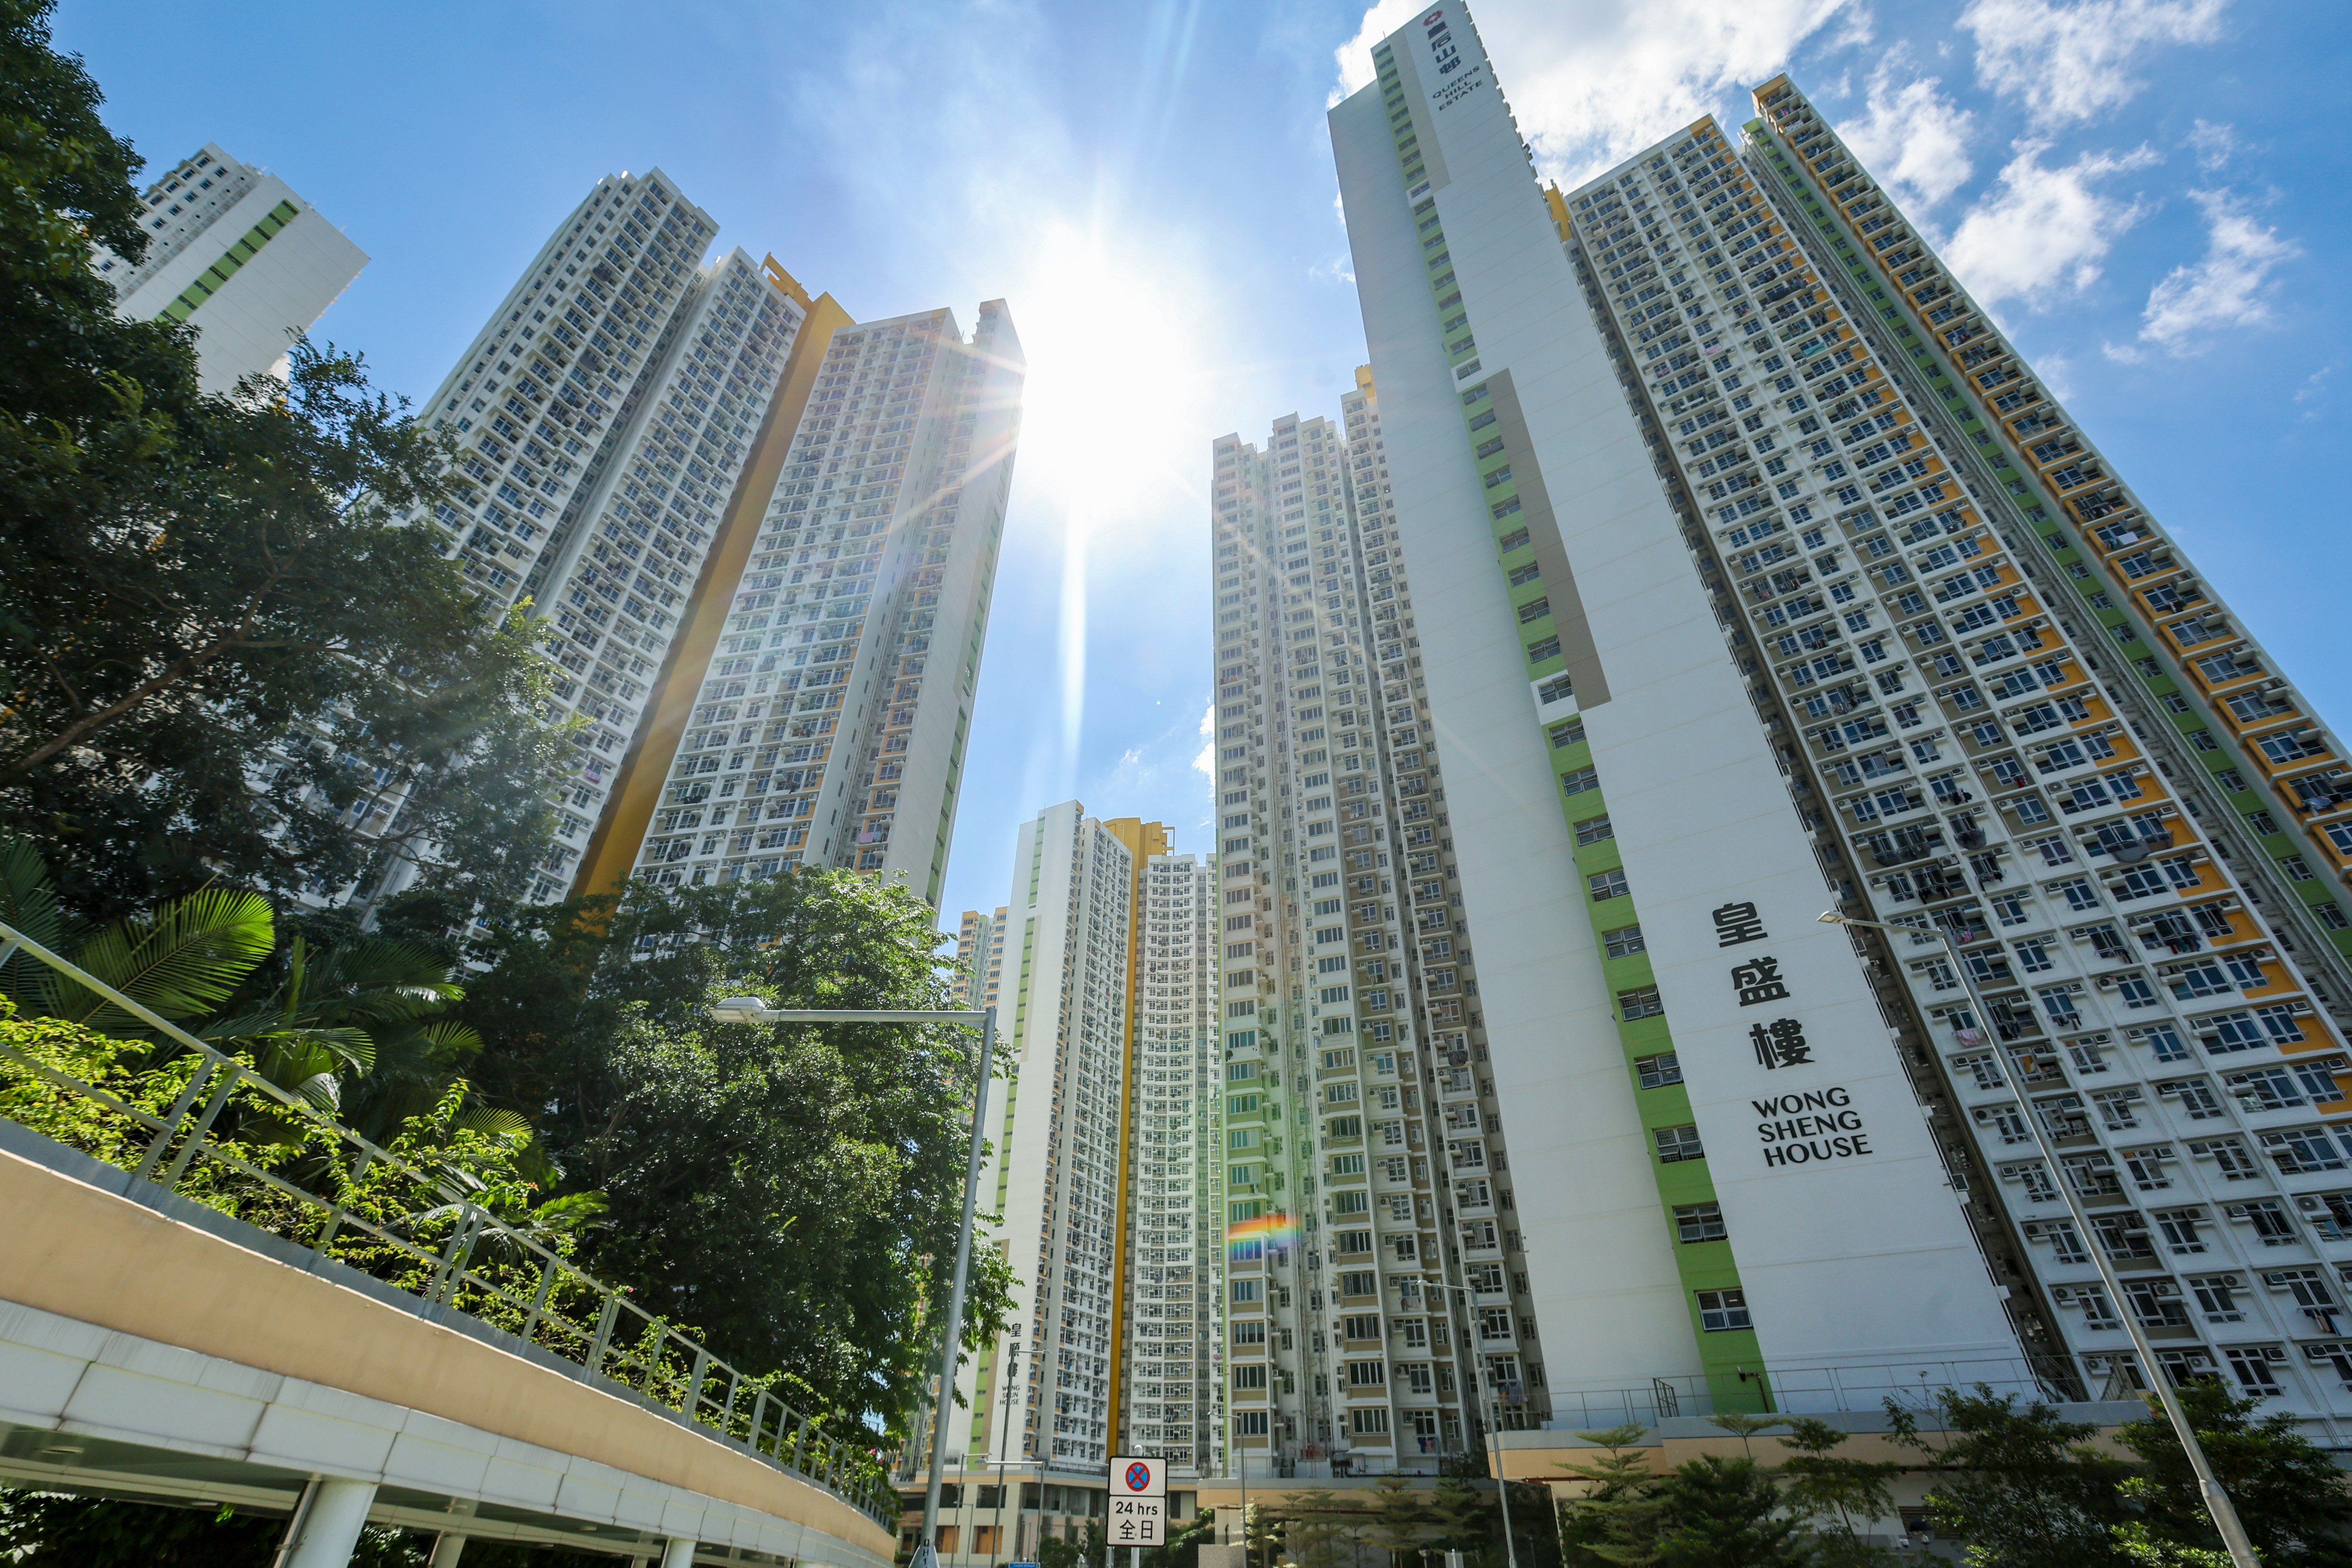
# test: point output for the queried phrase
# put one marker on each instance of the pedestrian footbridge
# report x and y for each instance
(154, 1346)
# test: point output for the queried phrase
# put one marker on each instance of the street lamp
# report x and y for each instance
(1241, 1465)
(1004, 1450)
(1494, 1422)
(751, 1010)
(2216, 1501)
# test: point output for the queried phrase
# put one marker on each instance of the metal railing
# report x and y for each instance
(1817, 1390)
(358, 1205)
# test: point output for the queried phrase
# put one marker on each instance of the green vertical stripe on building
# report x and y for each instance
(247, 248)
(1730, 1358)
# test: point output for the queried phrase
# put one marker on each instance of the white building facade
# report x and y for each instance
(236, 252)
(2132, 893)
(1172, 1383)
(830, 728)
(1721, 1166)
(1711, 460)
(1055, 1165)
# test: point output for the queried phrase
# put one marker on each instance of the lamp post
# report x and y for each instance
(2216, 1501)
(1004, 1451)
(1494, 1424)
(1241, 1465)
(751, 1010)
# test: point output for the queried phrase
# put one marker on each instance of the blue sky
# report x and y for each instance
(2146, 191)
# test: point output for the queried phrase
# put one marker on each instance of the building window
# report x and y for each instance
(1677, 1143)
(1642, 1002)
(1698, 1222)
(1606, 885)
(2254, 1365)
(1720, 1311)
(1658, 1071)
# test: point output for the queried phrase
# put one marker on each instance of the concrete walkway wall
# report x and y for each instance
(121, 1323)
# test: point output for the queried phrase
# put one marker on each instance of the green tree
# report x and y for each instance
(2288, 1491)
(1399, 1521)
(1312, 1530)
(356, 1029)
(220, 631)
(778, 1187)
(1465, 1520)
(2141, 1548)
(1726, 1513)
(43, 1528)
(1182, 1548)
(1836, 1494)
(1745, 1428)
(180, 961)
(1617, 1518)
(2021, 1486)
(1263, 1533)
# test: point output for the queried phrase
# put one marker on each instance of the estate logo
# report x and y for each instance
(1441, 43)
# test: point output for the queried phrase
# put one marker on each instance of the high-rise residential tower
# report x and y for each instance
(1103, 1173)
(1376, 1270)
(604, 414)
(2247, 747)
(662, 452)
(1664, 474)
(235, 251)
(979, 950)
(1172, 1328)
(831, 728)
(1056, 1168)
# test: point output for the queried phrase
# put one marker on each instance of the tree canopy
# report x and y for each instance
(2027, 1488)
(224, 635)
(238, 677)
(794, 1191)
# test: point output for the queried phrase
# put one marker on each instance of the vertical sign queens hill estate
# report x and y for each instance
(1799, 1126)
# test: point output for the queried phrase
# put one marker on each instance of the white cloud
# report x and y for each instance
(1593, 82)
(1159, 776)
(2229, 288)
(2214, 144)
(2044, 230)
(2070, 62)
(1355, 55)
(1912, 139)
(2308, 396)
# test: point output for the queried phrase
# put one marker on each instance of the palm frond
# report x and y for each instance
(323, 1089)
(572, 1211)
(270, 1018)
(317, 1050)
(453, 1042)
(495, 1124)
(27, 900)
(184, 959)
(384, 978)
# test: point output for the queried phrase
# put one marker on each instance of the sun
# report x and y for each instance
(1108, 422)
